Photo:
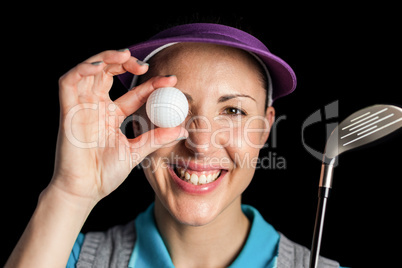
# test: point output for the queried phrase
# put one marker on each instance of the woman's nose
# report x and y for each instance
(201, 139)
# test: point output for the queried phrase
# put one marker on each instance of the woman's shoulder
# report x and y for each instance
(113, 246)
(292, 254)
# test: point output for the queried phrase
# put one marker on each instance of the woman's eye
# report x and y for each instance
(234, 111)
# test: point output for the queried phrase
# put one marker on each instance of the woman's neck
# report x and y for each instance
(215, 244)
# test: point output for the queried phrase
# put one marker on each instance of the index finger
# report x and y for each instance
(135, 98)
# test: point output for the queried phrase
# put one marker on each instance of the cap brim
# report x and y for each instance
(283, 77)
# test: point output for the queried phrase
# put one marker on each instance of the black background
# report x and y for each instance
(339, 52)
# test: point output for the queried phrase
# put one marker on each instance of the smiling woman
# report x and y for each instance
(218, 80)
(198, 170)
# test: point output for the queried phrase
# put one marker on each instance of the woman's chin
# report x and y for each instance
(193, 212)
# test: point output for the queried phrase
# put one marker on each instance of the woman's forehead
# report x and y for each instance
(212, 69)
(209, 59)
(184, 51)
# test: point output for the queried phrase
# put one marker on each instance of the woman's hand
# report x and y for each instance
(93, 156)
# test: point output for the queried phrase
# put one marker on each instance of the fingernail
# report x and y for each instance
(142, 63)
(122, 50)
(181, 138)
(96, 63)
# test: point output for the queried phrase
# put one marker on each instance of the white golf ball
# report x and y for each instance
(167, 107)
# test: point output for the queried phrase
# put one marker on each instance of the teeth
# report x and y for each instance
(195, 179)
(202, 179)
(186, 176)
(209, 178)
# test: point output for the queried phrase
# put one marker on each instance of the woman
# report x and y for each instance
(198, 170)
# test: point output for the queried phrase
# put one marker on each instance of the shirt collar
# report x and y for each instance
(260, 249)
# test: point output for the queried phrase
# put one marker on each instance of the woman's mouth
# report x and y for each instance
(196, 177)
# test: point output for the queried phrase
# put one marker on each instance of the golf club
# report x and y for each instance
(362, 127)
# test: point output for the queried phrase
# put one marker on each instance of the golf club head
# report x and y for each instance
(362, 127)
(365, 126)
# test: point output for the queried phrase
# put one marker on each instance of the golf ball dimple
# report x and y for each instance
(167, 107)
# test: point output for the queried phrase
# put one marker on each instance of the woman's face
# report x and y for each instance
(198, 178)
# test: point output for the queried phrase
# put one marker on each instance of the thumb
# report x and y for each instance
(154, 139)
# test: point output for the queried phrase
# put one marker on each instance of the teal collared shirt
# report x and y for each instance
(260, 250)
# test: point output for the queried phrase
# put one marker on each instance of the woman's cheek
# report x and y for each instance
(244, 146)
(256, 132)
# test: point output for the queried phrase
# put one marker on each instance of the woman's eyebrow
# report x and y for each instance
(231, 96)
(222, 98)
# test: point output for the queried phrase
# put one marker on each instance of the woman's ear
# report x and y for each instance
(270, 119)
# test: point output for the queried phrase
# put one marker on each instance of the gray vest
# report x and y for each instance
(113, 249)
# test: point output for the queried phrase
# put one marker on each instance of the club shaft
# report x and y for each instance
(323, 195)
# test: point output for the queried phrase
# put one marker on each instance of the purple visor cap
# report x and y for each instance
(283, 77)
